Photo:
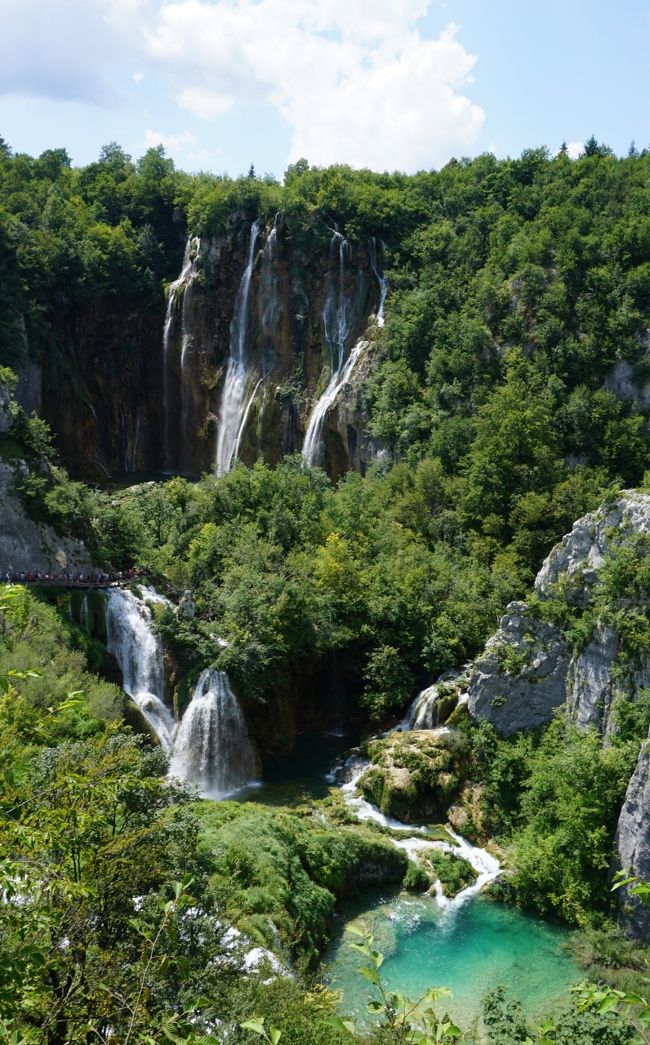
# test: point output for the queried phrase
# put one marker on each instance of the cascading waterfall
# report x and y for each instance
(212, 748)
(234, 405)
(138, 651)
(424, 712)
(269, 299)
(414, 842)
(188, 274)
(381, 279)
(337, 321)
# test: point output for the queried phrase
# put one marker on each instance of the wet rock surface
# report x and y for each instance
(633, 846)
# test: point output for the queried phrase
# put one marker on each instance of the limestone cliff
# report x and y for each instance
(26, 545)
(137, 385)
(633, 845)
(530, 667)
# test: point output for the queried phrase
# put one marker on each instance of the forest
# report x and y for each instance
(507, 395)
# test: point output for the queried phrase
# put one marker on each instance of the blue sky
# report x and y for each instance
(391, 84)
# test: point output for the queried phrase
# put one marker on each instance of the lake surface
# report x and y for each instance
(304, 775)
(470, 950)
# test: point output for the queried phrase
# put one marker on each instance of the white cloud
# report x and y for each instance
(137, 78)
(169, 141)
(356, 83)
(203, 102)
(575, 149)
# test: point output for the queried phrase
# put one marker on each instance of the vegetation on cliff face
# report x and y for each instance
(507, 396)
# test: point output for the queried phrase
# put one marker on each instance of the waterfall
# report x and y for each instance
(212, 748)
(423, 714)
(312, 444)
(269, 306)
(337, 321)
(138, 651)
(188, 273)
(415, 840)
(381, 279)
(234, 406)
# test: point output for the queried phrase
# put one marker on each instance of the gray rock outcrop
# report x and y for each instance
(26, 545)
(590, 683)
(527, 670)
(633, 846)
(5, 413)
(521, 677)
(580, 554)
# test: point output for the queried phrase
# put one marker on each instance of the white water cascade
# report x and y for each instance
(138, 651)
(212, 748)
(424, 712)
(234, 405)
(415, 841)
(188, 273)
(381, 279)
(269, 305)
(337, 320)
(312, 444)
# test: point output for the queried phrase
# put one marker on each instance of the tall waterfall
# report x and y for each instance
(188, 274)
(379, 275)
(138, 651)
(234, 406)
(269, 305)
(212, 748)
(338, 317)
(337, 321)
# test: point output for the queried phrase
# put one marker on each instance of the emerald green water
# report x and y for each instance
(470, 950)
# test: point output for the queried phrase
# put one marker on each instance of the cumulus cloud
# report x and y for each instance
(169, 141)
(356, 83)
(575, 149)
(203, 102)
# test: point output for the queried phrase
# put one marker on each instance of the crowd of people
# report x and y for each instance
(68, 579)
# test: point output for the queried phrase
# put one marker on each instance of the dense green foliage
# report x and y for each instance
(507, 395)
(559, 800)
(516, 287)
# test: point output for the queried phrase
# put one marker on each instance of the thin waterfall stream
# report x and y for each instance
(184, 281)
(234, 403)
(139, 653)
(338, 318)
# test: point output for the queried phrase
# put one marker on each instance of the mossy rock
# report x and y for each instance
(416, 775)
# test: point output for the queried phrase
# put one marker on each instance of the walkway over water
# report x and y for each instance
(96, 579)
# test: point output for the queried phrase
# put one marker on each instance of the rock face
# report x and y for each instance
(416, 775)
(521, 677)
(633, 846)
(578, 557)
(527, 670)
(136, 385)
(590, 683)
(5, 415)
(26, 545)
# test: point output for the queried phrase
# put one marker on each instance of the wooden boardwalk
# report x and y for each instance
(65, 582)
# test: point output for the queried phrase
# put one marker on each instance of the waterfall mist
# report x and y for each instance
(213, 749)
